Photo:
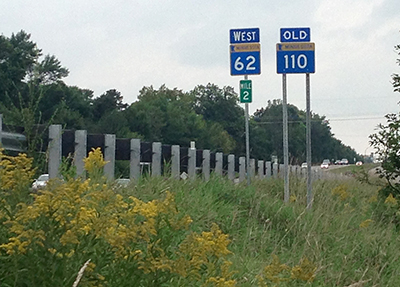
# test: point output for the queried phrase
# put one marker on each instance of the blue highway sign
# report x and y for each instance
(245, 59)
(238, 36)
(295, 35)
(295, 58)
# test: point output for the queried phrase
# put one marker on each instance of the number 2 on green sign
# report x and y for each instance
(246, 95)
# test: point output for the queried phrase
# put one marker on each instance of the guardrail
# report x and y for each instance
(11, 141)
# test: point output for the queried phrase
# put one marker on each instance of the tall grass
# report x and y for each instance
(350, 235)
(344, 234)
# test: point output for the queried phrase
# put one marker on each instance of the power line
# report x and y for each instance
(357, 119)
(324, 120)
(355, 99)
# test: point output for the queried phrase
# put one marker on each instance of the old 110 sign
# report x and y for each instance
(295, 58)
(245, 52)
(295, 54)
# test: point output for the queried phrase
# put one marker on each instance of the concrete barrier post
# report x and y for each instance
(242, 168)
(206, 165)
(192, 163)
(252, 167)
(231, 167)
(80, 152)
(109, 155)
(134, 161)
(261, 171)
(156, 160)
(55, 145)
(275, 170)
(268, 169)
(219, 163)
(281, 170)
(175, 161)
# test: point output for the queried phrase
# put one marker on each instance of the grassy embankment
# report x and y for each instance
(349, 236)
(345, 234)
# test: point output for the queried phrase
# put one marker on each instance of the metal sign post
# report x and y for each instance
(308, 143)
(246, 98)
(285, 140)
(245, 60)
(296, 54)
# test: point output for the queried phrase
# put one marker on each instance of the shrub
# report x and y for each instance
(129, 242)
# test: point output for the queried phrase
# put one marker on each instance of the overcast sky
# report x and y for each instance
(126, 45)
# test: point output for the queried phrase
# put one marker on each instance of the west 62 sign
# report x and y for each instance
(245, 51)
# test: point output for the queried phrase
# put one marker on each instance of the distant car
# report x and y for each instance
(40, 182)
(123, 182)
(304, 165)
(325, 164)
(359, 163)
(344, 161)
(338, 162)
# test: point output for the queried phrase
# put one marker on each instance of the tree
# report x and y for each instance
(387, 143)
(221, 106)
(396, 77)
(165, 115)
(108, 102)
(168, 116)
(268, 121)
(20, 66)
(267, 135)
(18, 55)
(24, 80)
(48, 71)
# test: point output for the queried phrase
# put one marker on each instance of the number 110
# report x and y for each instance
(301, 61)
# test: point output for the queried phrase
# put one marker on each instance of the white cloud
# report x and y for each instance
(344, 14)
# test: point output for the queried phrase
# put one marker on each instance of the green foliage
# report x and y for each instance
(387, 145)
(168, 116)
(221, 106)
(18, 55)
(396, 77)
(23, 81)
(124, 241)
(48, 71)
(267, 135)
(348, 237)
(32, 93)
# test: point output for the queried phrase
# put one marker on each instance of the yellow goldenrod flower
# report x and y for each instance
(390, 200)
(69, 238)
(274, 270)
(341, 191)
(70, 253)
(366, 223)
(373, 198)
(304, 271)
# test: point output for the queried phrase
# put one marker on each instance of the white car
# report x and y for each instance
(304, 165)
(40, 182)
(123, 182)
(324, 165)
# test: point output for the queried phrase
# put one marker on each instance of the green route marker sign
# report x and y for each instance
(245, 91)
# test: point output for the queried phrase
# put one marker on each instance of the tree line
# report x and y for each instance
(32, 92)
